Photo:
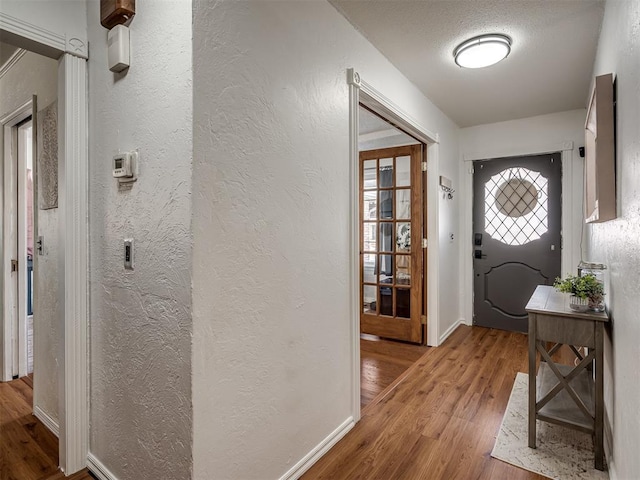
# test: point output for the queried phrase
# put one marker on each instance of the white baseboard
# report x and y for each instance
(318, 451)
(48, 422)
(96, 467)
(450, 330)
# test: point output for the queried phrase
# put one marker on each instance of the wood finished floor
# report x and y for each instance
(440, 421)
(382, 362)
(433, 419)
(28, 450)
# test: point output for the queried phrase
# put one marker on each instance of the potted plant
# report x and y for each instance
(586, 292)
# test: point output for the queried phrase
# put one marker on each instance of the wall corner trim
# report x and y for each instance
(353, 77)
(450, 330)
(533, 149)
(13, 59)
(314, 455)
(46, 419)
(98, 469)
(51, 41)
(463, 321)
(33, 32)
(77, 47)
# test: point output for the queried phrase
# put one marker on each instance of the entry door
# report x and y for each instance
(391, 242)
(517, 235)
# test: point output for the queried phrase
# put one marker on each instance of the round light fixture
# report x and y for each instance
(482, 51)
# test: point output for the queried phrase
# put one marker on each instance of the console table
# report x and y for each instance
(560, 394)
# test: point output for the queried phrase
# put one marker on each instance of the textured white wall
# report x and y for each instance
(522, 137)
(37, 74)
(617, 242)
(46, 318)
(141, 320)
(271, 347)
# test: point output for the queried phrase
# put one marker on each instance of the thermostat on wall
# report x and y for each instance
(125, 167)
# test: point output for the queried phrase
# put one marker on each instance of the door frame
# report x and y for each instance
(362, 92)
(570, 241)
(73, 155)
(14, 358)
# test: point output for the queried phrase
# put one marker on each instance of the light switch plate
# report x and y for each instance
(128, 253)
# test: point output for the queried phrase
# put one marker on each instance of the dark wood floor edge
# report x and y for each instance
(393, 385)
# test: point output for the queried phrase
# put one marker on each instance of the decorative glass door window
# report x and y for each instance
(516, 206)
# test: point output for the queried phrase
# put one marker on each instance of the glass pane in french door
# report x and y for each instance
(386, 235)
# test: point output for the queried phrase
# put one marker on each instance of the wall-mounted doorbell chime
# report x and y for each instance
(116, 15)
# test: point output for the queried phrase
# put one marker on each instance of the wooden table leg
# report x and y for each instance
(532, 380)
(599, 397)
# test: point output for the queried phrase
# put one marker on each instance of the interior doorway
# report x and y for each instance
(392, 219)
(18, 223)
(22, 242)
(57, 39)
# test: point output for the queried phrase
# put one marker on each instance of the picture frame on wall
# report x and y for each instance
(600, 158)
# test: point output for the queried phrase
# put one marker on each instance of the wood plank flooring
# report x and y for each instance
(438, 420)
(441, 420)
(28, 450)
(382, 362)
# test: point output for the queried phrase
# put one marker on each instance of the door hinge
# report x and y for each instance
(423, 319)
(471, 170)
(424, 166)
(425, 243)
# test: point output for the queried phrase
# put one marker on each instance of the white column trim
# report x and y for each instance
(434, 338)
(73, 245)
(354, 257)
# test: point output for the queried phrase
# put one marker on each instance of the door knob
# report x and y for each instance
(478, 254)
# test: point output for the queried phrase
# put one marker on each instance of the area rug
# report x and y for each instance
(561, 453)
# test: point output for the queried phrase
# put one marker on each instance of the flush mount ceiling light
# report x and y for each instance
(482, 51)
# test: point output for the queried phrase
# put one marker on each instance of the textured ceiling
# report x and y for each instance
(549, 68)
